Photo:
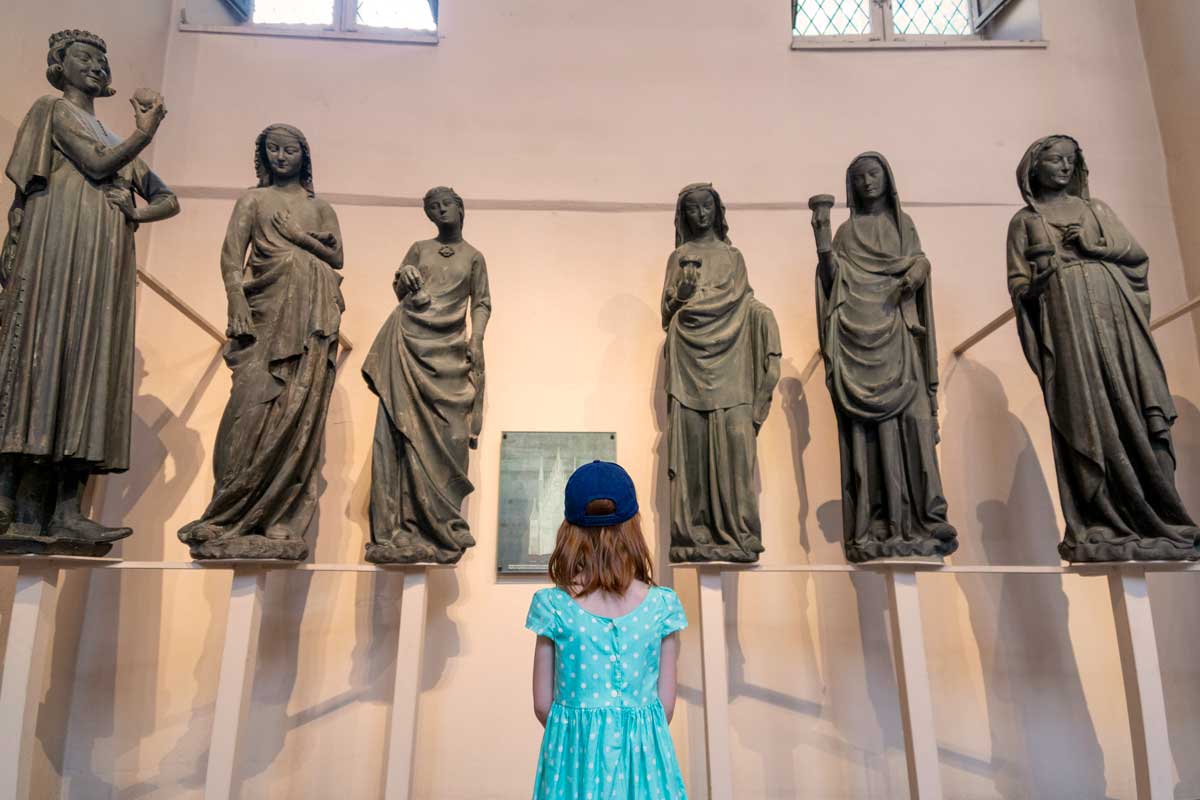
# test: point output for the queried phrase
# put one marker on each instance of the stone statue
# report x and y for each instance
(875, 326)
(1078, 281)
(427, 369)
(722, 364)
(285, 307)
(67, 308)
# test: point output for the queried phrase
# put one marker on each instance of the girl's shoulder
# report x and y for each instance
(670, 614)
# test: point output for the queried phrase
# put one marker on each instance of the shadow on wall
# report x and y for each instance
(660, 494)
(1175, 599)
(859, 675)
(1043, 739)
(123, 615)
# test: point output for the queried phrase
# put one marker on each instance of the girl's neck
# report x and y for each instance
(605, 604)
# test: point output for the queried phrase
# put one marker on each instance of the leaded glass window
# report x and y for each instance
(888, 20)
(931, 17)
(832, 18)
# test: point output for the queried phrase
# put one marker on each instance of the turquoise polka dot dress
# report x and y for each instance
(606, 737)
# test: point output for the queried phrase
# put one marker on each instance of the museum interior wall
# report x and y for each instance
(1174, 67)
(569, 128)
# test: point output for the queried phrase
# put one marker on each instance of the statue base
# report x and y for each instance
(410, 553)
(258, 548)
(713, 554)
(1099, 551)
(924, 549)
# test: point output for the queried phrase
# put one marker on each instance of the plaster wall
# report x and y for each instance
(1169, 32)
(569, 128)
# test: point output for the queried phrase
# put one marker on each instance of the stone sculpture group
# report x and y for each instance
(1077, 277)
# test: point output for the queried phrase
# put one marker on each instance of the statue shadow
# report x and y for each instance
(125, 610)
(865, 679)
(660, 491)
(1043, 738)
(1174, 597)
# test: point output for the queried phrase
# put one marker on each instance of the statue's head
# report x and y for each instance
(443, 206)
(698, 210)
(1053, 164)
(1054, 167)
(79, 60)
(281, 152)
(868, 180)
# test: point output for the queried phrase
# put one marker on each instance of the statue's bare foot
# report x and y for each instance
(280, 533)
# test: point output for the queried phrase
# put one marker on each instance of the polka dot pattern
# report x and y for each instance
(607, 735)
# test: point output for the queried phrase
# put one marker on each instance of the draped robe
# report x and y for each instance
(419, 369)
(1087, 338)
(67, 306)
(720, 345)
(880, 357)
(267, 457)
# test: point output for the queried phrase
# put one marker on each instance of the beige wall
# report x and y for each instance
(1169, 29)
(531, 108)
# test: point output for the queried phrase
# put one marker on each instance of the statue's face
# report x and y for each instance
(869, 180)
(700, 209)
(85, 67)
(285, 156)
(443, 210)
(1055, 165)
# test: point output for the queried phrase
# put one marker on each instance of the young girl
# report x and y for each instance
(604, 662)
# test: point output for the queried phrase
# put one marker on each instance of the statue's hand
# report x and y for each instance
(122, 200)
(408, 279)
(287, 228)
(475, 355)
(149, 109)
(1042, 279)
(241, 322)
(1078, 239)
(688, 282)
(327, 239)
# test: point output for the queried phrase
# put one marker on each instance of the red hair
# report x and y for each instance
(607, 559)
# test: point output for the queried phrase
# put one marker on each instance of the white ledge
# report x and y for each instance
(1100, 568)
(315, 32)
(931, 43)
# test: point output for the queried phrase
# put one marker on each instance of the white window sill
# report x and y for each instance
(314, 32)
(916, 43)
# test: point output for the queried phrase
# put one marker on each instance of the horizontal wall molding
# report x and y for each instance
(585, 206)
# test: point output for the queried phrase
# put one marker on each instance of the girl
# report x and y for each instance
(604, 662)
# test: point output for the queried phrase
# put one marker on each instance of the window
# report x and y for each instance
(413, 15)
(901, 23)
(376, 20)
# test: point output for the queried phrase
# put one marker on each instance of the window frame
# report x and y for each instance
(342, 27)
(883, 36)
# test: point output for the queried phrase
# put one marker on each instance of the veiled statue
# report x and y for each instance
(68, 275)
(1079, 284)
(875, 326)
(722, 364)
(426, 366)
(280, 264)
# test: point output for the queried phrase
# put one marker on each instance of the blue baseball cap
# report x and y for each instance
(599, 480)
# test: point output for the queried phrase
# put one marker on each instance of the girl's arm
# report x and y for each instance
(543, 678)
(667, 663)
